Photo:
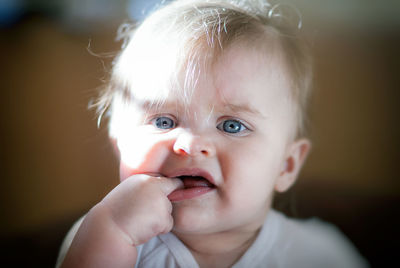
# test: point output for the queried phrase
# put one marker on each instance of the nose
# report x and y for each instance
(193, 145)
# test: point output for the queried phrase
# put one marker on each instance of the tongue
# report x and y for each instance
(191, 182)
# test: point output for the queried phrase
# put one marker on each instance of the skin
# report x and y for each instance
(247, 166)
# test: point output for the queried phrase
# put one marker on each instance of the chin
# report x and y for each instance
(189, 220)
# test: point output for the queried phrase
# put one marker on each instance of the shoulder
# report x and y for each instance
(67, 241)
(314, 243)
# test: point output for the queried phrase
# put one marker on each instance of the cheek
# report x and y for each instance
(256, 162)
(125, 171)
(145, 154)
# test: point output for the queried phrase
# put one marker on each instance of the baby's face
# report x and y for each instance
(229, 145)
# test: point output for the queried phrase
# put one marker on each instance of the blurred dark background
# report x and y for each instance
(56, 164)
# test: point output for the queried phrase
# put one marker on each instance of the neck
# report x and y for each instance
(220, 249)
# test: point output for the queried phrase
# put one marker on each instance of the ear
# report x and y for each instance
(296, 155)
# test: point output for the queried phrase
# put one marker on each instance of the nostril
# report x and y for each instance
(191, 145)
(182, 152)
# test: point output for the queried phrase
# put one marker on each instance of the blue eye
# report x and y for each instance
(164, 122)
(231, 126)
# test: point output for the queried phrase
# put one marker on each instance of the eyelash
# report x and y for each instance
(220, 126)
(154, 122)
(244, 129)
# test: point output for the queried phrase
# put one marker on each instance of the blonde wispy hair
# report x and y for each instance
(187, 36)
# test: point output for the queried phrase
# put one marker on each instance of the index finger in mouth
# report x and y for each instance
(168, 185)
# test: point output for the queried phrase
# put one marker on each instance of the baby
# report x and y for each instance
(206, 105)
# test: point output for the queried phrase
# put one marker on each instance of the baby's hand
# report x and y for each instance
(132, 213)
(140, 208)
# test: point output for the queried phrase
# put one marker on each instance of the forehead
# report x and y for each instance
(239, 73)
(255, 74)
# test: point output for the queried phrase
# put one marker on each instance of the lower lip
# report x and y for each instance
(189, 193)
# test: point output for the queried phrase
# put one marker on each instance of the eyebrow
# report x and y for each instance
(242, 108)
(234, 108)
(155, 106)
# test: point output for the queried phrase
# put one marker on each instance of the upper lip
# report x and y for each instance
(195, 172)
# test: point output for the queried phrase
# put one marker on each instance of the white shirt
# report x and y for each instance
(281, 242)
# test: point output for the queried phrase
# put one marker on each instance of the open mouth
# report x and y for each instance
(193, 186)
(195, 181)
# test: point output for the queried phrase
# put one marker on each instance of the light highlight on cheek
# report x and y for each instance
(133, 149)
(143, 153)
(142, 148)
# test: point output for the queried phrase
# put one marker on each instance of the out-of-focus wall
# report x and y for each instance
(55, 161)
(354, 111)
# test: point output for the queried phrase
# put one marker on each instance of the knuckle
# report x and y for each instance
(163, 224)
(157, 227)
(169, 225)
